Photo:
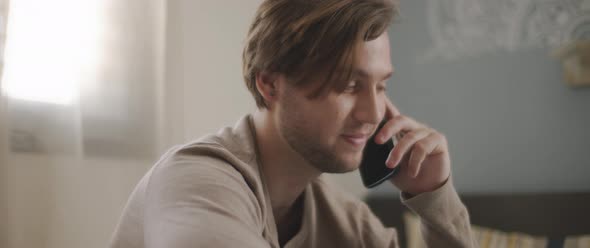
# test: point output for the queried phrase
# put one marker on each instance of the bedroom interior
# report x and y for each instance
(507, 82)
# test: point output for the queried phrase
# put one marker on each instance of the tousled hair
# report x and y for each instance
(306, 39)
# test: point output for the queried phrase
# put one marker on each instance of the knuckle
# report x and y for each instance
(420, 146)
(411, 135)
(400, 118)
(440, 136)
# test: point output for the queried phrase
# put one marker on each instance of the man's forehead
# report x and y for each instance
(382, 73)
(372, 58)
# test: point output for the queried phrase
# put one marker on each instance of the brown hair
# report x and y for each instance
(304, 38)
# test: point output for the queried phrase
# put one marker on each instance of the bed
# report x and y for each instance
(551, 215)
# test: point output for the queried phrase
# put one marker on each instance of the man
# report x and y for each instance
(318, 72)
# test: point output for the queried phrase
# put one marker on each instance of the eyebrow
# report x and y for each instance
(364, 74)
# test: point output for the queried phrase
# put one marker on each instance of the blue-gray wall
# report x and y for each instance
(512, 123)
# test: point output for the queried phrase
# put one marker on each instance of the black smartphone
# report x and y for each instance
(373, 169)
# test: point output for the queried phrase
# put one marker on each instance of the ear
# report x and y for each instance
(267, 84)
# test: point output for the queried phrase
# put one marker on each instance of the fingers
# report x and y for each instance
(396, 125)
(415, 140)
(420, 150)
(390, 109)
(405, 144)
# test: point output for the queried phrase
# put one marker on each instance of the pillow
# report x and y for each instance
(486, 237)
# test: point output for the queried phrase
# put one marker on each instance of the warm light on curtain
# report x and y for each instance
(80, 77)
(51, 47)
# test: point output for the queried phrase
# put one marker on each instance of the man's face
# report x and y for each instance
(331, 131)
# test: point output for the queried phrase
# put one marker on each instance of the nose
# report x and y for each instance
(370, 107)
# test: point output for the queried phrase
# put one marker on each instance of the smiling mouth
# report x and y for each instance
(356, 140)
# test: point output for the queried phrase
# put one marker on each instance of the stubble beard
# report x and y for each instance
(292, 126)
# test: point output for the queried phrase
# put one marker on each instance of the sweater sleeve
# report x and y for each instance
(201, 202)
(444, 219)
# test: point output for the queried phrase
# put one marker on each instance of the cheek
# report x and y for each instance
(338, 109)
(332, 115)
(321, 119)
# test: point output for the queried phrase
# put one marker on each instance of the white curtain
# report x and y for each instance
(79, 115)
(4, 188)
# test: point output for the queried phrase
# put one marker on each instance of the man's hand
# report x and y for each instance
(421, 152)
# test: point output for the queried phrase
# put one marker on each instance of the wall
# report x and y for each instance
(205, 40)
(512, 123)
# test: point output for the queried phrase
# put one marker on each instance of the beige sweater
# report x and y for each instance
(209, 193)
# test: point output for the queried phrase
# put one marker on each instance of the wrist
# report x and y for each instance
(409, 193)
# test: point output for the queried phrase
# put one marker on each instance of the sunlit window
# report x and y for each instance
(50, 47)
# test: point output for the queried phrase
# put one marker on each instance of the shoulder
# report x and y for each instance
(201, 168)
(227, 157)
(198, 178)
(196, 196)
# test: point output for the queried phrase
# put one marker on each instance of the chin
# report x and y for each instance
(355, 163)
(348, 163)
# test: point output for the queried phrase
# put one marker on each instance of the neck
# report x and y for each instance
(285, 172)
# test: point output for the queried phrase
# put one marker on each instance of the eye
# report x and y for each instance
(381, 88)
(351, 87)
